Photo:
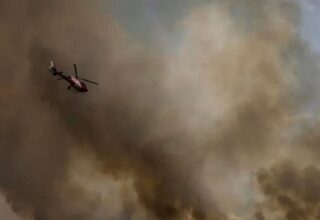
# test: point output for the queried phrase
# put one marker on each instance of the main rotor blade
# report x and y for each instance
(89, 81)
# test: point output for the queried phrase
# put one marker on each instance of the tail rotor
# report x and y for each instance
(52, 68)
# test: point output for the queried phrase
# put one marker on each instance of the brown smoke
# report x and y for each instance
(165, 134)
(291, 190)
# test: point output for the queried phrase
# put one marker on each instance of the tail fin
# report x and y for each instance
(52, 68)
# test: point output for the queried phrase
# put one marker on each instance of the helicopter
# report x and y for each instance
(75, 81)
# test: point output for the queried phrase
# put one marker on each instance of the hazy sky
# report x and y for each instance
(311, 22)
(145, 18)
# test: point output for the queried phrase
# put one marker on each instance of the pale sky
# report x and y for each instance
(146, 18)
(310, 28)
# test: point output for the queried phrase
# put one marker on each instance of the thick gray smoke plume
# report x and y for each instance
(172, 134)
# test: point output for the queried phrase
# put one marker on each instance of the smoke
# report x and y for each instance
(169, 134)
(291, 191)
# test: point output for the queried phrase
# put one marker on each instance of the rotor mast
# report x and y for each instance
(75, 70)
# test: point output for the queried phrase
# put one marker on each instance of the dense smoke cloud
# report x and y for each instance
(292, 191)
(166, 134)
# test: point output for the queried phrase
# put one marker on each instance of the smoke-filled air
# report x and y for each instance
(210, 114)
